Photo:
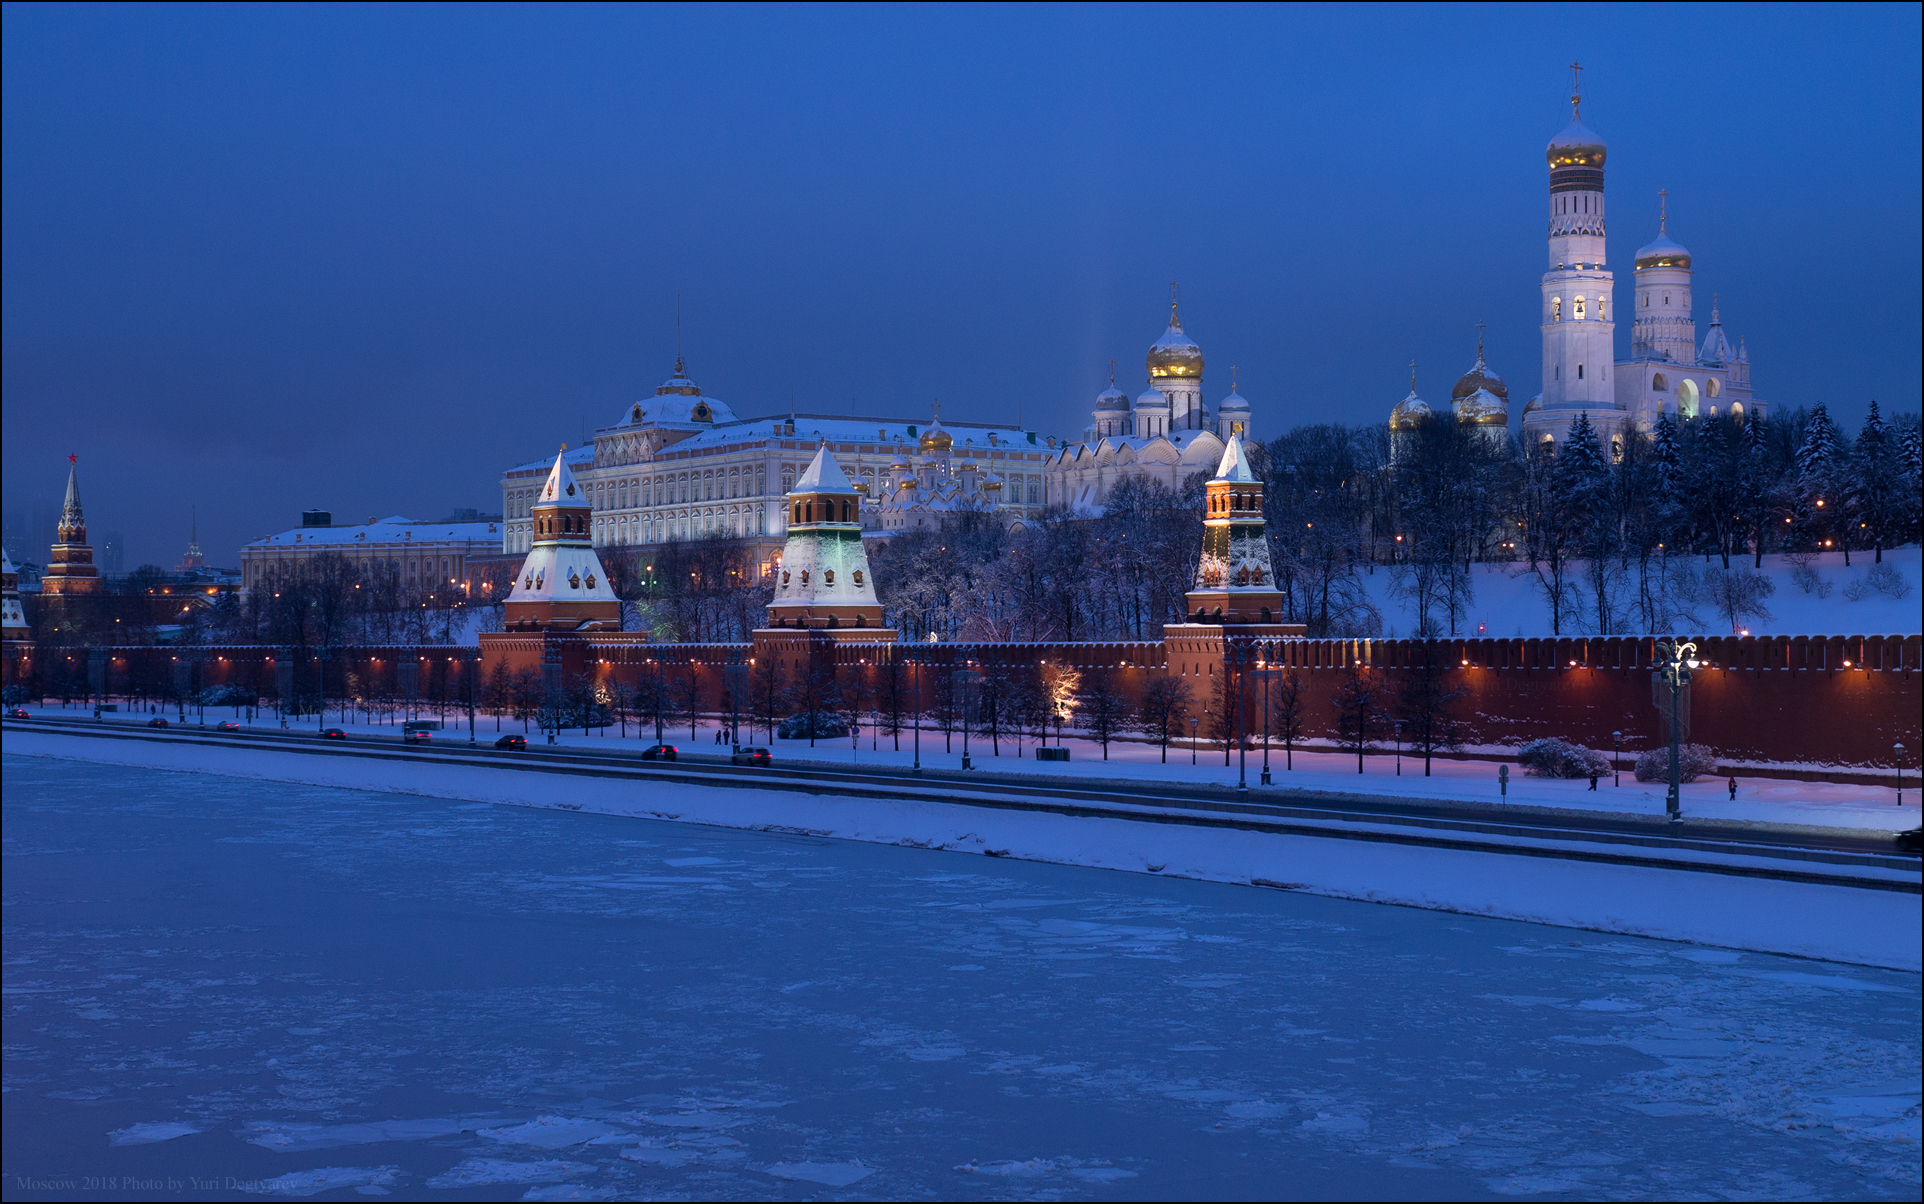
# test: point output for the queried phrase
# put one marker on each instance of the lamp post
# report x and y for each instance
(1616, 757)
(1898, 760)
(1192, 739)
(1399, 748)
(1267, 673)
(1243, 653)
(472, 667)
(1674, 663)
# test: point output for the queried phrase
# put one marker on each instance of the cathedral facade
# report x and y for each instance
(1167, 434)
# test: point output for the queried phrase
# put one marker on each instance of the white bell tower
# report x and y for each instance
(1578, 307)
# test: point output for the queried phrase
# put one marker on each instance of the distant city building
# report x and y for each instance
(681, 465)
(1168, 435)
(421, 556)
(70, 564)
(192, 560)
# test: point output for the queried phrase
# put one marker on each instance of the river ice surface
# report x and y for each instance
(226, 988)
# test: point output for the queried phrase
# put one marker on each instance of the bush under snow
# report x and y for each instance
(1693, 761)
(813, 725)
(1560, 759)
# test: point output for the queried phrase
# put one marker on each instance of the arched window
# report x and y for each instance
(1713, 387)
(1577, 310)
(1659, 383)
(1556, 309)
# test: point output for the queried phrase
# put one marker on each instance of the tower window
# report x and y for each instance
(1577, 312)
(1579, 371)
(1556, 309)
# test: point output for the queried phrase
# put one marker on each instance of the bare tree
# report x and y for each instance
(1426, 705)
(1359, 707)
(1104, 707)
(1286, 714)
(1165, 703)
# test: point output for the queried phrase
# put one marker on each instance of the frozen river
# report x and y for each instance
(229, 988)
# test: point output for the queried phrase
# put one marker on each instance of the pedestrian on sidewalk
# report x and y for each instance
(1593, 779)
(1733, 787)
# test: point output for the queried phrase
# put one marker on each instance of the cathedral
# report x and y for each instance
(1668, 370)
(1166, 435)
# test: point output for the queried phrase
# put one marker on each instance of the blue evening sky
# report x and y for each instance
(259, 259)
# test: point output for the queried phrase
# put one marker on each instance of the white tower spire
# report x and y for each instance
(1578, 330)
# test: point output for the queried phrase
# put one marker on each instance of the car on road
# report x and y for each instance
(658, 752)
(19, 713)
(159, 721)
(517, 743)
(333, 733)
(745, 755)
(1911, 841)
(227, 725)
(418, 736)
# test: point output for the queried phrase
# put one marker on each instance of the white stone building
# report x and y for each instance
(422, 556)
(681, 465)
(1667, 371)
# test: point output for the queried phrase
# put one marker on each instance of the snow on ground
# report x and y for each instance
(1871, 927)
(1759, 799)
(1507, 604)
(443, 999)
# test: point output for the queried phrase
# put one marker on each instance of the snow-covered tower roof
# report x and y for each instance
(1716, 351)
(1234, 582)
(824, 581)
(562, 585)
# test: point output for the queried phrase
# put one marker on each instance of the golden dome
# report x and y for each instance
(1482, 408)
(1409, 412)
(1576, 146)
(936, 438)
(1175, 354)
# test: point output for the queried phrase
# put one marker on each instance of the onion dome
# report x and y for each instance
(1175, 355)
(1663, 253)
(1409, 412)
(1235, 403)
(936, 438)
(992, 483)
(1576, 146)
(1152, 399)
(1534, 404)
(1482, 408)
(1111, 399)
(1480, 379)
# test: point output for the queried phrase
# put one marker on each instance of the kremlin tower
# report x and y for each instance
(70, 567)
(824, 581)
(562, 586)
(1234, 583)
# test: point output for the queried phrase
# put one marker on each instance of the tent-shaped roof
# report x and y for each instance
(824, 475)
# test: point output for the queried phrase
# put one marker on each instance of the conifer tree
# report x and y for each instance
(1871, 502)
(1816, 467)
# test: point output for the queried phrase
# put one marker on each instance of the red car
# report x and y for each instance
(658, 752)
(159, 721)
(227, 725)
(19, 713)
(333, 733)
(517, 743)
(416, 737)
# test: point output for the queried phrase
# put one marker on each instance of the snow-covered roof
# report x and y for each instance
(561, 489)
(1235, 403)
(1663, 252)
(393, 529)
(1235, 465)
(824, 475)
(1112, 398)
(578, 457)
(1152, 399)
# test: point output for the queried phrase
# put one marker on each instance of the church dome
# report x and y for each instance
(1175, 354)
(1663, 253)
(1152, 399)
(1482, 408)
(936, 438)
(1408, 412)
(1576, 146)
(1111, 399)
(1535, 404)
(1479, 377)
(1235, 403)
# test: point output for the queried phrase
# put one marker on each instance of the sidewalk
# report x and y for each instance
(1759, 800)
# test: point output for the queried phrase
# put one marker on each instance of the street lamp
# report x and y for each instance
(1616, 757)
(1898, 760)
(1192, 739)
(1266, 673)
(1399, 748)
(1674, 662)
